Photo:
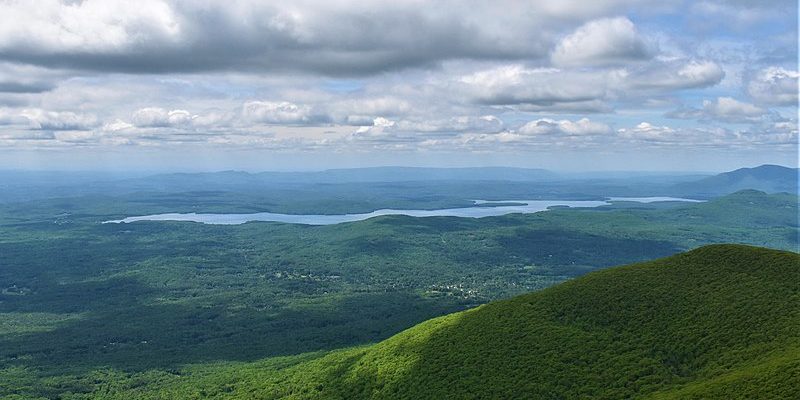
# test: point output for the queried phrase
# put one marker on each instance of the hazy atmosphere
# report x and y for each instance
(399, 200)
(568, 85)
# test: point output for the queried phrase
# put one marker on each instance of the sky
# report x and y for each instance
(193, 85)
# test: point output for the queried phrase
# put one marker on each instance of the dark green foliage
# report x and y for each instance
(84, 303)
(687, 325)
(717, 322)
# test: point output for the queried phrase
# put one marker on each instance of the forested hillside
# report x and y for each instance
(717, 322)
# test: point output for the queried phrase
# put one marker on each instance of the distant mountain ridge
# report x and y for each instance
(458, 185)
(766, 178)
(375, 174)
(390, 174)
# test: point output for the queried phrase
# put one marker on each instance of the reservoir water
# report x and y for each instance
(481, 209)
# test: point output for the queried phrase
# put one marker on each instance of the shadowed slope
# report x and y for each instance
(720, 321)
(697, 324)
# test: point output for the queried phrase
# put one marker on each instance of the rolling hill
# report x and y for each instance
(716, 322)
(766, 178)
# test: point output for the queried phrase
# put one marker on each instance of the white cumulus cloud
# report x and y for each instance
(775, 86)
(155, 117)
(283, 112)
(580, 127)
(606, 41)
(724, 109)
(674, 75)
(547, 87)
(648, 131)
(58, 120)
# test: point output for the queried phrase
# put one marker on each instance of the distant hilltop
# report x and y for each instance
(766, 178)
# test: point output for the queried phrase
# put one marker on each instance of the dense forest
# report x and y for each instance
(80, 298)
(717, 322)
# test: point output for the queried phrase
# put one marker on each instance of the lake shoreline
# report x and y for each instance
(479, 209)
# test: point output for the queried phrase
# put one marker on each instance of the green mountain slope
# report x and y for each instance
(690, 324)
(720, 321)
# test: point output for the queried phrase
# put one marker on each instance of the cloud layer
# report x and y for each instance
(474, 78)
(336, 37)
